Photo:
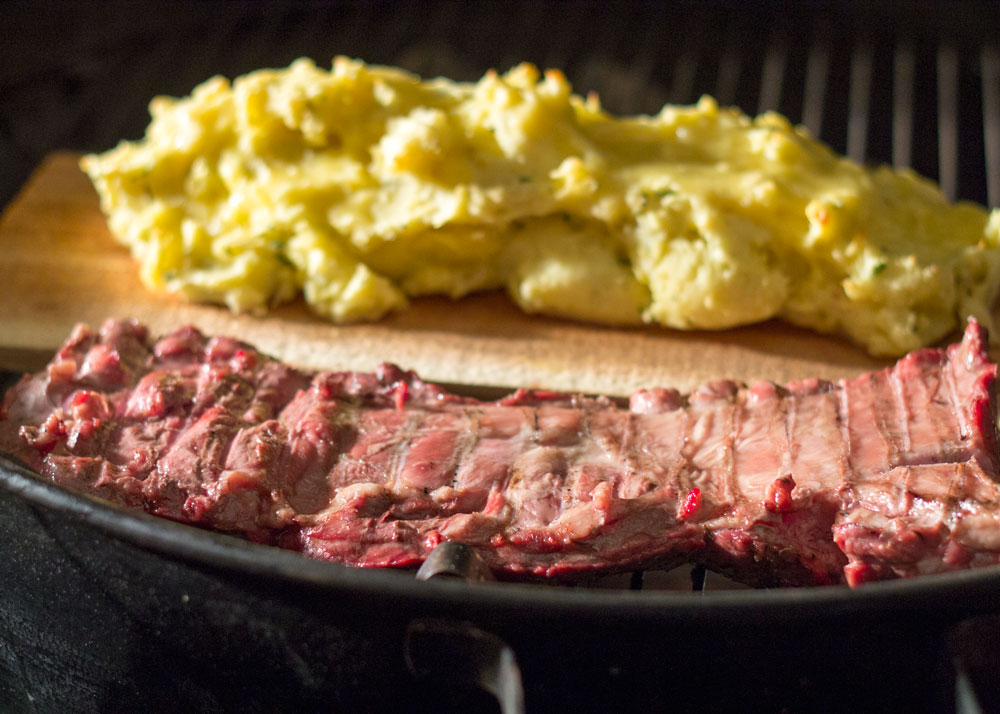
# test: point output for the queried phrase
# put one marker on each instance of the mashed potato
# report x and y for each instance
(364, 185)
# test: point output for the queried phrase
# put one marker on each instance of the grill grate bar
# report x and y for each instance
(947, 94)
(729, 72)
(903, 70)
(698, 578)
(686, 65)
(598, 70)
(683, 85)
(860, 99)
(991, 121)
(648, 95)
(773, 73)
(814, 96)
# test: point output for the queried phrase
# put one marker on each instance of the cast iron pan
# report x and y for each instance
(107, 610)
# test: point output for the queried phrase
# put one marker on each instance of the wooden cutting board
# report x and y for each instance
(60, 266)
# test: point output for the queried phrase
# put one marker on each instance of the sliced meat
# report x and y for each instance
(889, 474)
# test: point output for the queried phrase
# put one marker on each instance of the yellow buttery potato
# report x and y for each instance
(363, 185)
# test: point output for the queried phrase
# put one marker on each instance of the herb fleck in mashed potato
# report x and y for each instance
(364, 185)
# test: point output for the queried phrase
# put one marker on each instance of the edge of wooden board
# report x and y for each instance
(63, 267)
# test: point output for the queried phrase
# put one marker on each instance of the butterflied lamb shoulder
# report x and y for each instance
(890, 474)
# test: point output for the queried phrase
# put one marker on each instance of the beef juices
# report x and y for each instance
(889, 474)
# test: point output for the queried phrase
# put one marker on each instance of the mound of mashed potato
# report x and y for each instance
(363, 185)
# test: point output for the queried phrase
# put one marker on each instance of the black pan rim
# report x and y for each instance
(216, 550)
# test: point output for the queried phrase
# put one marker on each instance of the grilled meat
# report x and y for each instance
(893, 473)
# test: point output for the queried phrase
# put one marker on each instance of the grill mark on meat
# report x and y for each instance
(885, 475)
(957, 406)
(565, 479)
(884, 412)
(501, 437)
(366, 456)
(788, 454)
(844, 422)
(605, 450)
(761, 442)
(467, 440)
(397, 447)
(633, 483)
(903, 415)
(709, 454)
(429, 452)
(868, 453)
(537, 486)
(930, 416)
(732, 493)
(685, 466)
(657, 442)
(817, 462)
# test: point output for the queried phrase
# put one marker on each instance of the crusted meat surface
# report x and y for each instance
(890, 474)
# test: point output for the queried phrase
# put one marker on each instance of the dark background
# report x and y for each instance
(78, 75)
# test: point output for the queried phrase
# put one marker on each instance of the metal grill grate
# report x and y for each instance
(453, 559)
(991, 120)
(912, 84)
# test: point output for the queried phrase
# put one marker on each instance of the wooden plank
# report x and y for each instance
(61, 266)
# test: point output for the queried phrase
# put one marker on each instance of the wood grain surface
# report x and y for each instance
(61, 266)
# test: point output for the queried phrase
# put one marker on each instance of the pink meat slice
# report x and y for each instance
(889, 474)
